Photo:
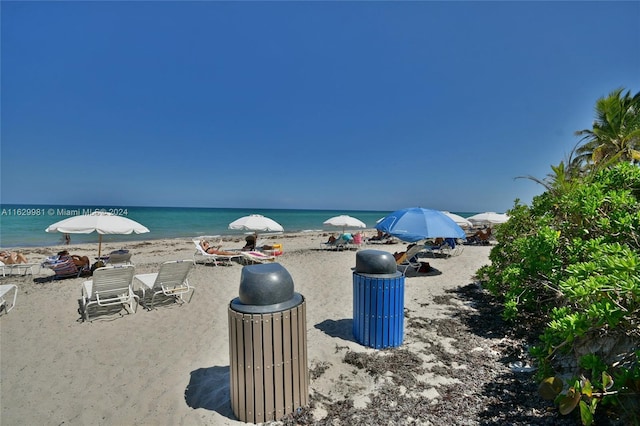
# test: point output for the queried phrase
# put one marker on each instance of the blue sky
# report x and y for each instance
(336, 105)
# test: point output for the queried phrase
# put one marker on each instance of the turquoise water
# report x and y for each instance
(24, 225)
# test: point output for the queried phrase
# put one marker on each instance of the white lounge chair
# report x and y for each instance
(337, 245)
(171, 281)
(111, 285)
(118, 257)
(406, 261)
(6, 289)
(20, 267)
(223, 259)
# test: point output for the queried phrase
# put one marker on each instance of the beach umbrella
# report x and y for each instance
(256, 222)
(100, 222)
(415, 224)
(488, 218)
(344, 221)
(461, 221)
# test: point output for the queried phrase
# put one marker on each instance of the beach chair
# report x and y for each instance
(408, 259)
(358, 240)
(442, 247)
(170, 281)
(222, 259)
(110, 286)
(118, 257)
(251, 257)
(20, 267)
(481, 237)
(5, 289)
(337, 245)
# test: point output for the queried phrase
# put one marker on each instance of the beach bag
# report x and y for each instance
(424, 267)
(98, 264)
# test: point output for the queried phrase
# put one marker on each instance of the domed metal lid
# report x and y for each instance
(375, 262)
(265, 288)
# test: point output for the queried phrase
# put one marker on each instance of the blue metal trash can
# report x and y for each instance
(378, 300)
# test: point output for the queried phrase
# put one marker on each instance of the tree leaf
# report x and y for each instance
(550, 388)
(587, 389)
(569, 401)
(607, 381)
(585, 414)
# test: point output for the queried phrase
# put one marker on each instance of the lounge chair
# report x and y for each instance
(118, 257)
(408, 260)
(171, 281)
(20, 267)
(222, 259)
(481, 237)
(337, 244)
(444, 247)
(111, 285)
(5, 289)
(250, 257)
(357, 240)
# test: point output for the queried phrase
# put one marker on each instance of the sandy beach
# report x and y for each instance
(171, 365)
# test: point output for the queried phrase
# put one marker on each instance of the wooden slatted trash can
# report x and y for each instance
(378, 300)
(269, 375)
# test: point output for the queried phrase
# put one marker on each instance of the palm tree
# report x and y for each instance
(562, 177)
(616, 131)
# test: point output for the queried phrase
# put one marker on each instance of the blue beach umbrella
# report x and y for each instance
(415, 224)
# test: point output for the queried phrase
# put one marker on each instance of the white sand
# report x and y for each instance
(171, 365)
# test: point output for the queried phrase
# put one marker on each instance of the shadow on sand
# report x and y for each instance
(209, 388)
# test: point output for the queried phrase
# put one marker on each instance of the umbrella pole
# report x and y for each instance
(99, 245)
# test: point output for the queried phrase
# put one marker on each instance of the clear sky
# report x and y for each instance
(320, 104)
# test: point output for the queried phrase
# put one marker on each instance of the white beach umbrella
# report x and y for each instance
(344, 221)
(461, 221)
(100, 222)
(491, 218)
(256, 222)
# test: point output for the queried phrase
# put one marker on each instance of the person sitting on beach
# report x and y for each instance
(12, 258)
(215, 250)
(347, 237)
(378, 237)
(332, 239)
(251, 243)
(401, 256)
(480, 236)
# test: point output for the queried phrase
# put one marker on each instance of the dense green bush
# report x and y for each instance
(572, 260)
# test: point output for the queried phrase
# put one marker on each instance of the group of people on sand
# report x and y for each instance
(347, 237)
(250, 245)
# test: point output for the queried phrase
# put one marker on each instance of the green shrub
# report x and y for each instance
(571, 258)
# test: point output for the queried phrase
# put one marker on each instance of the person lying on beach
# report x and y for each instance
(215, 250)
(80, 261)
(12, 258)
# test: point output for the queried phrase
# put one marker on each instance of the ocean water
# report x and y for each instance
(24, 225)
